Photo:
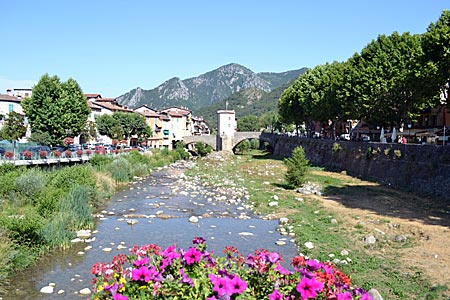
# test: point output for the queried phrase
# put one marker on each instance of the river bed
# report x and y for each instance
(160, 211)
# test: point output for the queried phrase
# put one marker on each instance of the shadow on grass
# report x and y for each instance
(390, 202)
(267, 155)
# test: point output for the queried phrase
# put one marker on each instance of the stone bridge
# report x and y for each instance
(227, 143)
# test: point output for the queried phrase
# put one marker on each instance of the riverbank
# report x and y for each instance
(41, 209)
(385, 239)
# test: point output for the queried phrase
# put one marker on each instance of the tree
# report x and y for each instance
(297, 167)
(121, 124)
(385, 80)
(14, 127)
(248, 123)
(58, 108)
(436, 45)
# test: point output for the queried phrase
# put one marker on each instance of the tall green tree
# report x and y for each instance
(436, 45)
(248, 123)
(122, 125)
(58, 108)
(14, 127)
(385, 80)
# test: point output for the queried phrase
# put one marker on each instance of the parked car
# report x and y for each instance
(35, 151)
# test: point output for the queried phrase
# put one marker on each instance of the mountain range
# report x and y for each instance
(208, 89)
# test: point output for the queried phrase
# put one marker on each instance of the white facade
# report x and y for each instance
(226, 122)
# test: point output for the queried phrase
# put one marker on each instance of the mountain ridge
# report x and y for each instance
(206, 89)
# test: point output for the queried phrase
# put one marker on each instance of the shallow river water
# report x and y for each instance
(162, 218)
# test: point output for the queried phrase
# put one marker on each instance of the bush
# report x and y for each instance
(134, 157)
(47, 202)
(30, 183)
(254, 144)
(100, 160)
(120, 170)
(23, 226)
(76, 207)
(66, 178)
(297, 167)
(243, 146)
(165, 151)
(55, 233)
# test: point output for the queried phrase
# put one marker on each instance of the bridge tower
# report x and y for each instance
(226, 127)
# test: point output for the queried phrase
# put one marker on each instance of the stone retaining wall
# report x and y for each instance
(423, 169)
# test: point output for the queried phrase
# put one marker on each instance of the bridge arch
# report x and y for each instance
(209, 140)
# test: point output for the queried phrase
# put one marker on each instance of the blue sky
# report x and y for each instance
(112, 46)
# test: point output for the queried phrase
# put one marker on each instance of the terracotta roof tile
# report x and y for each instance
(9, 98)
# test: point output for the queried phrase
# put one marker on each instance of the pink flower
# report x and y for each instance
(141, 274)
(366, 296)
(308, 288)
(275, 295)
(237, 285)
(120, 297)
(221, 285)
(141, 262)
(344, 296)
(192, 256)
(282, 270)
(273, 257)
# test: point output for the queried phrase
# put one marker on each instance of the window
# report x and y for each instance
(11, 107)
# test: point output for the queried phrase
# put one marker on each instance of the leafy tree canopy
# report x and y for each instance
(58, 108)
(14, 127)
(121, 124)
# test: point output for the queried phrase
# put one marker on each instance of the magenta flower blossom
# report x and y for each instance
(275, 295)
(141, 262)
(237, 285)
(344, 296)
(282, 270)
(273, 257)
(141, 274)
(366, 296)
(185, 278)
(308, 288)
(120, 297)
(171, 253)
(192, 256)
(221, 285)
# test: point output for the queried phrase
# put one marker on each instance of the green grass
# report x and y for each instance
(263, 177)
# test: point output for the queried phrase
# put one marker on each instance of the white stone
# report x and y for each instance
(309, 245)
(283, 221)
(107, 249)
(85, 291)
(275, 197)
(83, 234)
(280, 243)
(47, 290)
(193, 219)
(60, 292)
(344, 252)
(245, 233)
(273, 203)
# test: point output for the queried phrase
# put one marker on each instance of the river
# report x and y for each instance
(162, 209)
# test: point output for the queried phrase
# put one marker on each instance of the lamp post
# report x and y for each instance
(409, 130)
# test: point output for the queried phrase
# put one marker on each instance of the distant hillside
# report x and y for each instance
(248, 102)
(207, 89)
